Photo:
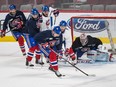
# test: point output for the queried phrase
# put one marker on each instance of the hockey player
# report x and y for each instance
(67, 41)
(47, 13)
(46, 41)
(93, 46)
(31, 29)
(16, 21)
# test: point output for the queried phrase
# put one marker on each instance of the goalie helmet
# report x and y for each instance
(83, 39)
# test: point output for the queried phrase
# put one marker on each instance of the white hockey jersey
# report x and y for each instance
(47, 21)
(67, 37)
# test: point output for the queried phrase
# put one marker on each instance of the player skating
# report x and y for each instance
(47, 13)
(31, 29)
(46, 41)
(16, 21)
(93, 46)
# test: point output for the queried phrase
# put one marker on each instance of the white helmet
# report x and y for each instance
(83, 39)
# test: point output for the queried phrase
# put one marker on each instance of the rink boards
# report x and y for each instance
(66, 15)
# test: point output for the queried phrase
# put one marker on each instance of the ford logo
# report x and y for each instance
(88, 25)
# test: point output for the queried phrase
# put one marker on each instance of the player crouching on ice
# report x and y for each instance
(93, 46)
(46, 41)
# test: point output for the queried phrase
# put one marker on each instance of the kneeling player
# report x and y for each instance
(93, 46)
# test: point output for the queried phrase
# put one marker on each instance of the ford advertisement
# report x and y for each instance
(88, 25)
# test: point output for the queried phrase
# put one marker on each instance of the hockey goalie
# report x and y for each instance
(94, 48)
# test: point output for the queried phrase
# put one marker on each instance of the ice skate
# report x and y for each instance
(29, 64)
(57, 73)
(39, 61)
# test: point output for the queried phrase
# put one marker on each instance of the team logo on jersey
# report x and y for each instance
(88, 25)
(47, 22)
(14, 22)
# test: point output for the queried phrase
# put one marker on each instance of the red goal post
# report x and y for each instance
(98, 23)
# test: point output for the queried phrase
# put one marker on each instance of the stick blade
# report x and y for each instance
(92, 75)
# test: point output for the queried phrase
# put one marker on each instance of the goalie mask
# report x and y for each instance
(83, 39)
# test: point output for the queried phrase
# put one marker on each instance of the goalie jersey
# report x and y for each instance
(91, 44)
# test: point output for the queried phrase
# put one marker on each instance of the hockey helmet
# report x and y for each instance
(83, 39)
(83, 36)
(12, 6)
(45, 8)
(63, 23)
(34, 11)
(57, 29)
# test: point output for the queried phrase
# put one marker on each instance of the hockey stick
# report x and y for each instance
(72, 64)
(10, 30)
(66, 61)
(54, 20)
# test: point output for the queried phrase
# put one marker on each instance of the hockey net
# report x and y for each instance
(101, 27)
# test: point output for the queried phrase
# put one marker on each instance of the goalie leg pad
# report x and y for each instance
(102, 56)
(92, 54)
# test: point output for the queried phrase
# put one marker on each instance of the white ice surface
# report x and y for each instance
(13, 72)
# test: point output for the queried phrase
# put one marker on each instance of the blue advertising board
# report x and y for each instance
(88, 25)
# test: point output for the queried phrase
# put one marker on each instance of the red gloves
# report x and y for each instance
(2, 33)
(19, 25)
(69, 52)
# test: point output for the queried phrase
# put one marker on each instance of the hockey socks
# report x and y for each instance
(21, 44)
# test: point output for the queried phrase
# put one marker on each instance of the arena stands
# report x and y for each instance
(92, 5)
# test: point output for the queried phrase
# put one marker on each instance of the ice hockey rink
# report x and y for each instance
(14, 73)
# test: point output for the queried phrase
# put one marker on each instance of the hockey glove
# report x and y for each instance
(2, 33)
(52, 43)
(19, 25)
(44, 45)
(60, 52)
(56, 13)
(69, 52)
